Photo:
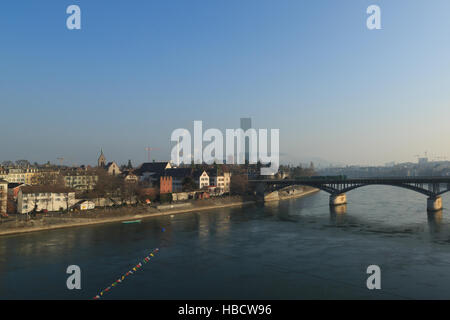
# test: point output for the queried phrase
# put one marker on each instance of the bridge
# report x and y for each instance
(337, 187)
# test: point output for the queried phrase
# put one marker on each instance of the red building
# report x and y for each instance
(165, 185)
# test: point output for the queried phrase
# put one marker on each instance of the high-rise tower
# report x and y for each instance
(246, 123)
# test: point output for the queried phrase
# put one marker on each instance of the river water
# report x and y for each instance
(293, 249)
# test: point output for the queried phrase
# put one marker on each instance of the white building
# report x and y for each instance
(50, 198)
(86, 205)
(19, 175)
(201, 178)
(221, 182)
(80, 180)
(113, 169)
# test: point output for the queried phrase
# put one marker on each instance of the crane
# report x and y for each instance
(148, 149)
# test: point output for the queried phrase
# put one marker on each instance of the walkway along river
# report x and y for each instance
(293, 249)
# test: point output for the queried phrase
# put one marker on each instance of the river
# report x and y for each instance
(292, 249)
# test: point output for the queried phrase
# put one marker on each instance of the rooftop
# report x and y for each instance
(46, 189)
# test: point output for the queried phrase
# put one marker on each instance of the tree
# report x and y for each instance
(48, 178)
(107, 185)
(7, 163)
(128, 191)
(165, 197)
(22, 163)
(188, 184)
(239, 184)
(3, 202)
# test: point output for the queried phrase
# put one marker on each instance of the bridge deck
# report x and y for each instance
(382, 180)
(430, 186)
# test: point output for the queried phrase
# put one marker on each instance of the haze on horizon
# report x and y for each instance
(138, 70)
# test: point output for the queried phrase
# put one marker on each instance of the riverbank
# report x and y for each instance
(290, 193)
(102, 216)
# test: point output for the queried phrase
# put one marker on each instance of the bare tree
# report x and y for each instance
(48, 178)
(239, 184)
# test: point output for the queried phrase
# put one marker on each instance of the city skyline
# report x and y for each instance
(336, 90)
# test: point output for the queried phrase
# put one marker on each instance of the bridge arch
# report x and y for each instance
(333, 190)
(338, 187)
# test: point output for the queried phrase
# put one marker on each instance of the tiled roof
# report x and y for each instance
(46, 189)
(156, 167)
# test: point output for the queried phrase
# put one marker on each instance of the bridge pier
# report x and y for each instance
(434, 203)
(338, 199)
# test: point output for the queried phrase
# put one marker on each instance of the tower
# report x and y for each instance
(101, 160)
(246, 123)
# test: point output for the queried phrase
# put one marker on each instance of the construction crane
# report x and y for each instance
(148, 149)
(419, 156)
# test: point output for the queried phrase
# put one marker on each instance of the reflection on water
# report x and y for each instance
(435, 220)
(338, 214)
(293, 249)
(339, 210)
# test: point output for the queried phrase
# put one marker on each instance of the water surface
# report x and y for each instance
(293, 249)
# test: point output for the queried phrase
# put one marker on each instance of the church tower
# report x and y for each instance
(101, 160)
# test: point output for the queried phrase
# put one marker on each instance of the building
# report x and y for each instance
(101, 162)
(113, 169)
(130, 177)
(246, 124)
(423, 161)
(14, 188)
(178, 175)
(221, 181)
(201, 178)
(165, 185)
(45, 176)
(80, 179)
(21, 175)
(85, 205)
(3, 197)
(150, 172)
(3, 173)
(39, 198)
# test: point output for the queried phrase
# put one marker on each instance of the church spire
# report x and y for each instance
(101, 160)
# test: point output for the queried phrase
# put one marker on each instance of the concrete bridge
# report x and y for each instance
(338, 186)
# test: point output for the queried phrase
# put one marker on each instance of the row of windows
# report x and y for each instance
(44, 200)
(42, 195)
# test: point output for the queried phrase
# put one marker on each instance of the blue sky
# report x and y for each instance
(137, 70)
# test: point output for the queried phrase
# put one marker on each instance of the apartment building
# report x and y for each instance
(39, 198)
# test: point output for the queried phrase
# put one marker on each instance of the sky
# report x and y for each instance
(139, 69)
